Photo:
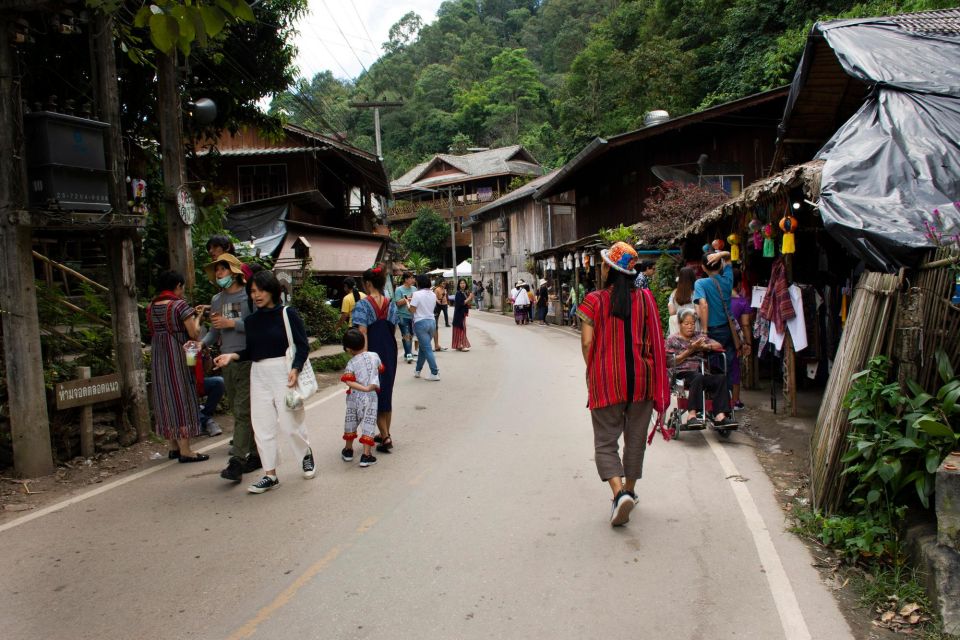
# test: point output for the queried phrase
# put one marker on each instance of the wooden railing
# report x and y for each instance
(405, 209)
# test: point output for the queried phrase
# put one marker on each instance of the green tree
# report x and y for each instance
(514, 88)
(427, 235)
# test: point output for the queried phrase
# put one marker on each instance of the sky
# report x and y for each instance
(346, 35)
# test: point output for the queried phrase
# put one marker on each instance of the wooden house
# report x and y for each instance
(509, 230)
(457, 185)
(729, 145)
(303, 198)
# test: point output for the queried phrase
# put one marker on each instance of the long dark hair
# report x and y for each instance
(267, 281)
(685, 281)
(622, 288)
(376, 277)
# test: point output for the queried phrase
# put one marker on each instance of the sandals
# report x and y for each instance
(383, 444)
(173, 454)
(197, 457)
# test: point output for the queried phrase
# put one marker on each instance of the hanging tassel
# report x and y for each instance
(788, 224)
(755, 226)
(734, 241)
(769, 251)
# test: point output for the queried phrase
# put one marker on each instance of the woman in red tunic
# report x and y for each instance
(623, 349)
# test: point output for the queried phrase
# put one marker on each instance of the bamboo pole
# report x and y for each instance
(68, 270)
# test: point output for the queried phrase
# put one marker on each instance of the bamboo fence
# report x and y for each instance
(865, 336)
(940, 322)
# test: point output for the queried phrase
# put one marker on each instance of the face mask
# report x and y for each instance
(225, 281)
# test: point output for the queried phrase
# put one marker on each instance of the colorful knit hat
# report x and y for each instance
(622, 257)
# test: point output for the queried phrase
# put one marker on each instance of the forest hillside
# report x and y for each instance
(551, 75)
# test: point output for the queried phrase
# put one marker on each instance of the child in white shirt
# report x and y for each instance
(362, 377)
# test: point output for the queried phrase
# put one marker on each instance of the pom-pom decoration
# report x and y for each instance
(718, 244)
(769, 251)
(706, 248)
(755, 226)
(734, 241)
(788, 224)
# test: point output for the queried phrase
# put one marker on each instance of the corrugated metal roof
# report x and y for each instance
(945, 22)
(259, 152)
(473, 165)
(522, 192)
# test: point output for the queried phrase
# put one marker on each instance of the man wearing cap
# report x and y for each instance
(228, 310)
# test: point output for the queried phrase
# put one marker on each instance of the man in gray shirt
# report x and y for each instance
(227, 312)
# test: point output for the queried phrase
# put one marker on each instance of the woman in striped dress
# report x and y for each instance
(172, 323)
(461, 308)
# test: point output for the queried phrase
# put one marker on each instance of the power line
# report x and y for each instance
(364, 25)
(345, 39)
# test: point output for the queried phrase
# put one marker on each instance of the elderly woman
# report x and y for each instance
(626, 373)
(685, 352)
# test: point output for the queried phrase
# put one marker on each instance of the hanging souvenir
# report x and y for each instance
(769, 251)
(706, 248)
(734, 241)
(788, 224)
(718, 245)
(755, 226)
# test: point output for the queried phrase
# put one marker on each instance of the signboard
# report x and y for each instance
(79, 393)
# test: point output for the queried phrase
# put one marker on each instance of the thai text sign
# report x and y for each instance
(78, 393)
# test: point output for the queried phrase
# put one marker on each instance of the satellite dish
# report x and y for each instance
(672, 174)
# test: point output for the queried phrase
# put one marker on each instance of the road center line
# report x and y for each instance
(791, 618)
(130, 478)
(286, 595)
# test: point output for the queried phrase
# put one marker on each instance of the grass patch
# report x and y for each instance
(331, 363)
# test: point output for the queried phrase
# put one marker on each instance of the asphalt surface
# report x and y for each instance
(487, 521)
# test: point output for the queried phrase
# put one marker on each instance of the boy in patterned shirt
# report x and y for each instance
(362, 377)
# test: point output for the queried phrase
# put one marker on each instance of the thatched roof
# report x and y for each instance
(806, 175)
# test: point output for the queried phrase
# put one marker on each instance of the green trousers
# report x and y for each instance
(236, 377)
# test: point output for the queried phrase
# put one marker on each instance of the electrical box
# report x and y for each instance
(66, 162)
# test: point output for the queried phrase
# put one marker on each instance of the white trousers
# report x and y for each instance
(269, 413)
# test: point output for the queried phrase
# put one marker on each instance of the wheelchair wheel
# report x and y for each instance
(674, 423)
(724, 433)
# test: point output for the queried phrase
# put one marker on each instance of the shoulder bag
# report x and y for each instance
(735, 330)
(307, 380)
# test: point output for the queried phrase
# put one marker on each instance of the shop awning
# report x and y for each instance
(330, 253)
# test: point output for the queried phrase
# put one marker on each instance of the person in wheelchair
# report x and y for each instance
(686, 352)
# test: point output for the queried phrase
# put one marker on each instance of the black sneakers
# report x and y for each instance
(366, 461)
(234, 470)
(623, 504)
(309, 470)
(347, 455)
(252, 463)
(263, 485)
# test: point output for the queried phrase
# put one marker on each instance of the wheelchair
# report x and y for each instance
(680, 392)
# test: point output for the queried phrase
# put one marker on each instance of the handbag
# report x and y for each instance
(735, 329)
(307, 380)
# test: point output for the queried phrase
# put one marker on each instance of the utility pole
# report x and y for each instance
(376, 105)
(180, 244)
(120, 243)
(29, 422)
(453, 235)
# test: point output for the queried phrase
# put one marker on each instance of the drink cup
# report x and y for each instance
(191, 355)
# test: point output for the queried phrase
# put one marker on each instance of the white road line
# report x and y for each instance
(126, 479)
(791, 618)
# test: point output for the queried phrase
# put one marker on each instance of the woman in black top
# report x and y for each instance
(272, 377)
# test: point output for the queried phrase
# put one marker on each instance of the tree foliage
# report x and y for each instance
(672, 206)
(552, 74)
(427, 235)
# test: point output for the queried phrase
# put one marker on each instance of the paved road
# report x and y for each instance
(488, 521)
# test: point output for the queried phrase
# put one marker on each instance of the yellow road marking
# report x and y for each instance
(367, 524)
(286, 595)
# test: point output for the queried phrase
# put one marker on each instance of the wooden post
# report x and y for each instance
(29, 423)
(86, 419)
(180, 244)
(120, 244)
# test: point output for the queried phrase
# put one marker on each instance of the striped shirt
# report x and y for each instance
(626, 362)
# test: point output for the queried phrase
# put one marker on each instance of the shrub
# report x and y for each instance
(310, 299)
